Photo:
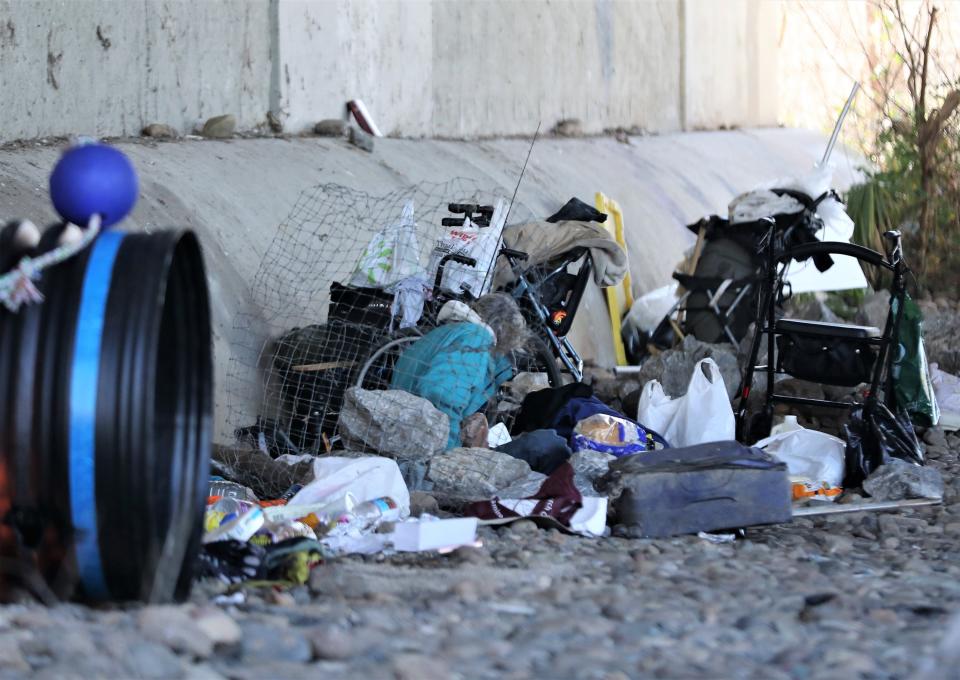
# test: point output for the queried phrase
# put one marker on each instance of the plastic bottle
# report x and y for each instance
(788, 424)
(366, 515)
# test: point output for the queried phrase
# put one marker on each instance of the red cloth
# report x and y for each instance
(557, 498)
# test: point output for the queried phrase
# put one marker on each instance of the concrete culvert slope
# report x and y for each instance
(235, 193)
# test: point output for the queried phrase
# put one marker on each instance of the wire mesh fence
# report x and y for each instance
(348, 294)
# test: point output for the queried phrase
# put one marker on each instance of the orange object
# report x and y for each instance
(802, 491)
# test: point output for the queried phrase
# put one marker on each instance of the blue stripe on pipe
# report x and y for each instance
(84, 383)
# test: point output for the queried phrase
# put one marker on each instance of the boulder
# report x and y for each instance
(873, 311)
(331, 127)
(219, 127)
(360, 139)
(524, 487)
(588, 467)
(475, 474)
(568, 127)
(474, 431)
(524, 383)
(941, 327)
(898, 480)
(393, 423)
(159, 131)
(674, 367)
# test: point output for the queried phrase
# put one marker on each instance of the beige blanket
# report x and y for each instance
(543, 241)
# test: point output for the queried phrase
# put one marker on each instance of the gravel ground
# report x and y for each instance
(863, 595)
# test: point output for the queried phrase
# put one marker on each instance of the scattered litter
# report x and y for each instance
(814, 459)
(431, 533)
(516, 608)
(717, 538)
(363, 117)
(558, 502)
(498, 435)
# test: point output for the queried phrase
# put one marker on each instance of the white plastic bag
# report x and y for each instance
(648, 310)
(392, 255)
(469, 240)
(946, 388)
(815, 461)
(703, 414)
(365, 478)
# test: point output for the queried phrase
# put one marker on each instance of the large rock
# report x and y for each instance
(393, 423)
(524, 487)
(219, 127)
(360, 139)
(674, 367)
(475, 474)
(175, 627)
(941, 328)
(524, 383)
(331, 127)
(159, 131)
(873, 311)
(588, 467)
(898, 480)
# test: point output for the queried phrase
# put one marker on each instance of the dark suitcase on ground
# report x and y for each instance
(719, 485)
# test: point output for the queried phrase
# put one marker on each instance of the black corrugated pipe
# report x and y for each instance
(105, 421)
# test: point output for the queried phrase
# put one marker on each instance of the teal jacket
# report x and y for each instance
(455, 368)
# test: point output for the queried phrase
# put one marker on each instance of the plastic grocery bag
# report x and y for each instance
(911, 374)
(703, 414)
(814, 459)
(479, 243)
(648, 310)
(946, 388)
(392, 255)
(364, 478)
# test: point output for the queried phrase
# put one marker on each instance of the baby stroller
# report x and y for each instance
(718, 301)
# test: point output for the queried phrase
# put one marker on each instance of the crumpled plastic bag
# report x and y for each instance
(392, 255)
(815, 460)
(610, 434)
(911, 374)
(648, 310)
(364, 478)
(875, 438)
(946, 388)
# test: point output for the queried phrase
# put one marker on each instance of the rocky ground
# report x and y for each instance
(862, 595)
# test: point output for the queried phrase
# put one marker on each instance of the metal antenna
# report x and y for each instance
(522, 170)
(836, 128)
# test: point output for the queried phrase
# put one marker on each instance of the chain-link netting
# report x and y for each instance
(352, 348)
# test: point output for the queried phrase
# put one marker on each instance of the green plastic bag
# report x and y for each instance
(911, 374)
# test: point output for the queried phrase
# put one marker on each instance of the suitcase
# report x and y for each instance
(718, 485)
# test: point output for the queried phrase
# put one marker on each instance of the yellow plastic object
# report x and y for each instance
(616, 307)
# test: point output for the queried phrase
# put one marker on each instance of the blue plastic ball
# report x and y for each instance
(93, 179)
